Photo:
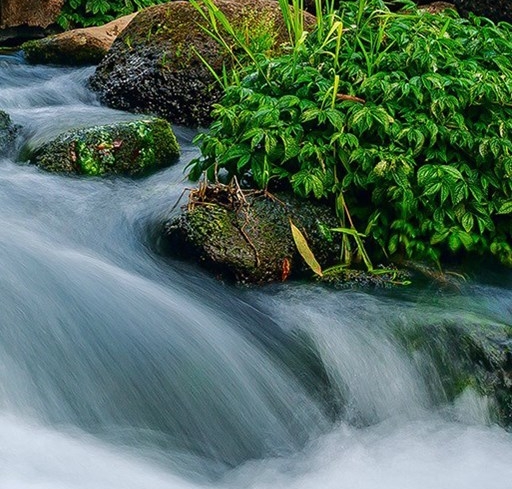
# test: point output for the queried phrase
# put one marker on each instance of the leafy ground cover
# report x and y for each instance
(400, 120)
(87, 13)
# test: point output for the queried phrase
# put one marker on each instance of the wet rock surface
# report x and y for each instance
(155, 65)
(8, 133)
(126, 148)
(467, 353)
(248, 239)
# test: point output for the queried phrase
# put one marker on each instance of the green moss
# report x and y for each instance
(128, 148)
(50, 51)
(169, 27)
(248, 241)
(464, 354)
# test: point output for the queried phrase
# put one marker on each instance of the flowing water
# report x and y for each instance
(123, 369)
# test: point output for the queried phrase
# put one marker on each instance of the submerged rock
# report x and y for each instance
(7, 133)
(126, 148)
(246, 236)
(466, 353)
(76, 47)
(155, 65)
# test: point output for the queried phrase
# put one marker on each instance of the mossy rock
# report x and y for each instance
(8, 132)
(251, 242)
(155, 66)
(47, 51)
(126, 148)
(77, 47)
(466, 353)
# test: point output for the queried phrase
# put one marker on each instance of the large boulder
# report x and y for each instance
(7, 133)
(76, 47)
(26, 18)
(126, 148)
(246, 236)
(154, 66)
(37, 13)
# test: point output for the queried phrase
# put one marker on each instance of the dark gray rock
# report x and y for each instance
(154, 66)
(496, 10)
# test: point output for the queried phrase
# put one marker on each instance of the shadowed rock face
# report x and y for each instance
(496, 10)
(126, 148)
(154, 67)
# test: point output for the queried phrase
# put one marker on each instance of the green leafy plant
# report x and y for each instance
(405, 118)
(86, 13)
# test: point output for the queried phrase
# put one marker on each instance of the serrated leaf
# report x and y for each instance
(505, 207)
(439, 237)
(393, 244)
(291, 147)
(452, 172)
(454, 242)
(287, 101)
(425, 173)
(468, 221)
(304, 250)
(465, 239)
(432, 188)
(335, 118)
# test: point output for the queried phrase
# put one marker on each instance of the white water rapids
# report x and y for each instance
(123, 369)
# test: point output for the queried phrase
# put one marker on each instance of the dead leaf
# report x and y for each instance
(352, 98)
(304, 250)
(286, 269)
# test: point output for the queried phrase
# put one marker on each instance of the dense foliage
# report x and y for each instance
(85, 13)
(402, 120)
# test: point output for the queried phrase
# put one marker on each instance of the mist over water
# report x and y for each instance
(121, 369)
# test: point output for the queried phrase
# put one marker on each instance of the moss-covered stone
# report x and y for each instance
(126, 148)
(76, 47)
(8, 133)
(45, 51)
(155, 65)
(382, 277)
(465, 353)
(251, 242)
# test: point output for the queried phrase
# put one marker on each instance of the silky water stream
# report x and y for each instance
(123, 369)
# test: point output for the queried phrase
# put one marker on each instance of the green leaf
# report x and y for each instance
(439, 237)
(505, 207)
(291, 147)
(304, 250)
(452, 172)
(426, 173)
(432, 188)
(468, 221)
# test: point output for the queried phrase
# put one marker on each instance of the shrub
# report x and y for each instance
(86, 13)
(402, 120)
